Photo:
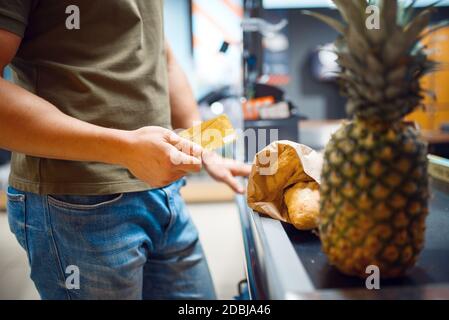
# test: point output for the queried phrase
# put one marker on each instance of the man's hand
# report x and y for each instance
(159, 156)
(225, 170)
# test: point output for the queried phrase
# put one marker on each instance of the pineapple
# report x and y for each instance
(374, 189)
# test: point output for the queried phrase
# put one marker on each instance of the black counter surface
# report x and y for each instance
(432, 266)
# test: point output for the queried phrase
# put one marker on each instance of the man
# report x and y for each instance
(94, 190)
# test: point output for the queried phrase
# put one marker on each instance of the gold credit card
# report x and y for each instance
(211, 134)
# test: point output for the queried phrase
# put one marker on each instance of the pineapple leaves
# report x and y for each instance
(432, 5)
(394, 48)
(387, 22)
(403, 39)
(418, 24)
(347, 61)
(381, 67)
(407, 13)
(389, 15)
(351, 13)
(416, 27)
(357, 44)
(334, 23)
(433, 28)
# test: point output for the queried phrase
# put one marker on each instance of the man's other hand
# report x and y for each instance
(225, 170)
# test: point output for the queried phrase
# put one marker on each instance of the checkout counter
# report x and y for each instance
(285, 263)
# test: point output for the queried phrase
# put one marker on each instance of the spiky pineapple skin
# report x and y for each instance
(374, 198)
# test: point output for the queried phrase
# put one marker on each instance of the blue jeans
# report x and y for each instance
(140, 245)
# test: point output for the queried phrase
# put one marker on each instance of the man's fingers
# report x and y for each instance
(233, 183)
(185, 145)
(183, 161)
(240, 169)
(237, 168)
(172, 137)
(189, 147)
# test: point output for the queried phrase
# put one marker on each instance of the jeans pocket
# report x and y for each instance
(168, 194)
(84, 203)
(17, 215)
(175, 202)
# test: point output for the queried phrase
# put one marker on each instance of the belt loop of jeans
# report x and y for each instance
(54, 245)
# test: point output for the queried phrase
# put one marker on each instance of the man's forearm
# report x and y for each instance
(184, 109)
(31, 125)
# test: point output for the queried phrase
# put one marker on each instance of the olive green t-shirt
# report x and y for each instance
(110, 72)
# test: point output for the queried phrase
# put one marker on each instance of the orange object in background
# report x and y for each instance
(252, 107)
(436, 112)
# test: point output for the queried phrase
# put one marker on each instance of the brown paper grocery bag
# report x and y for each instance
(277, 167)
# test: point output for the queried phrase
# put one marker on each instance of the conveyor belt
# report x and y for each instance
(432, 267)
